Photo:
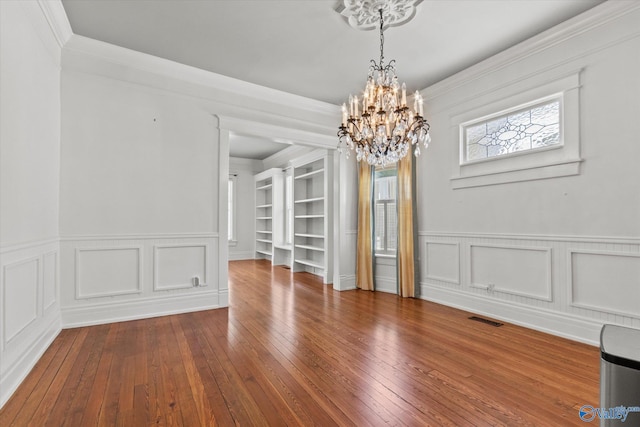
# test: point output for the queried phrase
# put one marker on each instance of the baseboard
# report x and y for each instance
(15, 374)
(561, 324)
(386, 285)
(238, 256)
(109, 312)
(346, 282)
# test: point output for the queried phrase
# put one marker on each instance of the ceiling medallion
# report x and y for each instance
(386, 129)
(364, 14)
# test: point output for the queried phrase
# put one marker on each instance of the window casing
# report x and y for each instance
(385, 214)
(544, 160)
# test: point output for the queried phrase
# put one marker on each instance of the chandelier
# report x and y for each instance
(387, 128)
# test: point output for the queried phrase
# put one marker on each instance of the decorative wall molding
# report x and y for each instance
(187, 284)
(32, 244)
(56, 16)
(521, 273)
(428, 271)
(364, 14)
(621, 240)
(16, 367)
(84, 237)
(165, 68)
(29, 309)
(574, 27)
(16, 316)
(605, 295)
(81, 294)
(601, 287)
(108, 312)
(561, 324)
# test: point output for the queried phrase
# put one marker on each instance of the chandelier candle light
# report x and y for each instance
(387, 128)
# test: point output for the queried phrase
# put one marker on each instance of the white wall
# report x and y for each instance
(144, 169)
(30, 146)
(563, 253)
(245, 169)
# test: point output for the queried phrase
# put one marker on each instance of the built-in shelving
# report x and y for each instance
(311, 209)
(264, 216)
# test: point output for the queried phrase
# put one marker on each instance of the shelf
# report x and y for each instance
(263, 252)
(283, 247)
(263, 241)
(313, 236)
(264, 217)
(308, 216)
(310, 263)
(264, 187)
(315, 199)
(264, 206)
(264, 231)
(309, 174)
(311, 248)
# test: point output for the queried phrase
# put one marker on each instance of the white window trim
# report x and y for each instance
(550, 162)
(234, 232)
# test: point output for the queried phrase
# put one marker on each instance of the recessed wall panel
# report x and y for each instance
(176, 266)
(605, 281)
(524, 271)
(20, 296)
(50, 279)
(102, 272)
(443, 262)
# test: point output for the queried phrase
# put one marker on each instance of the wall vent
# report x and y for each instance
(487, 321)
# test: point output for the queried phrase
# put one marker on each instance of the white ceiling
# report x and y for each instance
(306, 48)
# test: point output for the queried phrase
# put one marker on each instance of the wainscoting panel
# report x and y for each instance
(123, 277)
(30, 313)
(50, 279)
(108, 271)
(20, 299)
(605, 281)
(442, 262)
(566, 285)
(511, 269)
(176, 266)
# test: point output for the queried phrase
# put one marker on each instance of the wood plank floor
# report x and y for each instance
(291, 351)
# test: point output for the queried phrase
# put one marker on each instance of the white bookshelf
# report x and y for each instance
(311, 211)
(264, 216)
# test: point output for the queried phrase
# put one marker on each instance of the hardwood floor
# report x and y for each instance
(291, 351)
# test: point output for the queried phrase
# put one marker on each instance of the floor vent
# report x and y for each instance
(487, 321)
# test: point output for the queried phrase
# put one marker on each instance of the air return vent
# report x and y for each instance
(487, 321)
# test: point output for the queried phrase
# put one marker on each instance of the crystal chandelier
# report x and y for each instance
(387, 128)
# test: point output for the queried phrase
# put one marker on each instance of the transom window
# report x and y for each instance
(533, 127)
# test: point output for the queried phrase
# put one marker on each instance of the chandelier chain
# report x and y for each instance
(381, 39)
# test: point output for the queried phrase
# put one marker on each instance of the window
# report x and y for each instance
(386, 217)
(519, 130)
(529, 130)
(231, 209)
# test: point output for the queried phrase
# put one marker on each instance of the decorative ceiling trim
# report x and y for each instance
(364, 14)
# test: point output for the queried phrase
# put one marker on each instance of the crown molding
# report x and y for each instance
(57, 19)
(132, 59)
(587, 21)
